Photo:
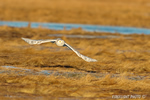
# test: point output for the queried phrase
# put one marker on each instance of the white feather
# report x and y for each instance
(65, 44)
(38, 41)
(80, 55)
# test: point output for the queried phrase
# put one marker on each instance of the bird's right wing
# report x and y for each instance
(38, 41)
(80, 55)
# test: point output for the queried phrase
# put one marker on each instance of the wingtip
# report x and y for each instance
(23, 38)
(93, 60)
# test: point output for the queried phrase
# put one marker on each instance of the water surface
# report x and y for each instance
(89, 28)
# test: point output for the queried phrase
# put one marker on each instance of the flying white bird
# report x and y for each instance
(59, 42)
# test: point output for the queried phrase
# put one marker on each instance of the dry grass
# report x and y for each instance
(126, 57)
(66, 87)
(104, 12)
(118, 55)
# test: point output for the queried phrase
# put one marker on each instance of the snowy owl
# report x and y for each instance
(59, 42)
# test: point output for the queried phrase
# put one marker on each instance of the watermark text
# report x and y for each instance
(128, 96)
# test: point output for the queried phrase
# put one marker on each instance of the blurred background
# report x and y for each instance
(135, 13)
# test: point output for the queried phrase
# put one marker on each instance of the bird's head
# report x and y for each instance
(60, 42)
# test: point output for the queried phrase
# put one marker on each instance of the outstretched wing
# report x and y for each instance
(38, 41)
(80, 55)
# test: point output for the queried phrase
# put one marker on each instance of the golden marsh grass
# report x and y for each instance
(115, 56)
(103, 12)
(127, 55)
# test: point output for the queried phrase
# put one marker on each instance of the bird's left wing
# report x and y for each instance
(80, 55)
(30, 41)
